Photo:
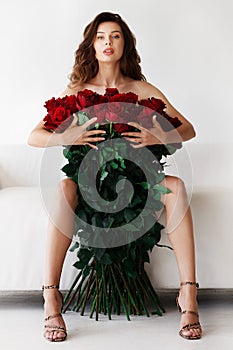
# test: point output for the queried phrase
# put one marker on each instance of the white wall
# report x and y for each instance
(185, 45)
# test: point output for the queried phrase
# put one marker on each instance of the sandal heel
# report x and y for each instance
(189, 326)
(50, 328)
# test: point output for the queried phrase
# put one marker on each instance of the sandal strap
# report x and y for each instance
(189, 312)
(191, 326)
(54, 328)
(53, 286)
(190, 283)
(53, 316)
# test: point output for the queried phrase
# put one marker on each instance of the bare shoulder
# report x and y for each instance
(71, 90)
(147, 90)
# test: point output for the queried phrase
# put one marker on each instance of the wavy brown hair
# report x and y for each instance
(86, 65)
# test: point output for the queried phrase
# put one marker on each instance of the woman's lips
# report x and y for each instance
(108, 51)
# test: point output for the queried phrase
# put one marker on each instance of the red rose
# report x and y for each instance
(115, 112)
(86, 98)
(59, 120)
(130, 97)
(144, 118)
(111, 92)
(153, 103)
(99, 111)
(168, 123)
(52, 104)
(121, 127)
(70, 102)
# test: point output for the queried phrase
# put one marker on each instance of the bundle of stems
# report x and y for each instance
(110, 290)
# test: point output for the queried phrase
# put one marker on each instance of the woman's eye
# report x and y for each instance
(100, 37)
(116, 36)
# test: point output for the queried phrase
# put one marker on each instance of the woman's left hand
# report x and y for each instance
(145, 137)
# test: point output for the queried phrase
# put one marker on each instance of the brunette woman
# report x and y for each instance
(107, 58)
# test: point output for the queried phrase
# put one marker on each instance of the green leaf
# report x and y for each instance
(122, 163)
(129, 267)
(74, 247)
(83, 179)
(114, 165)
(69, 169)
(145, 185)
(97, 220)
(107, 222)
(129, 214)
(82, 215)
(145, 256)
(79, 264)
(103, 175)
(82, 118)
(84, 255)
(132, 253)
(159, 177)
(157, 205)
(161, 189)
(149, 242)
(98, 252)
(86, 270)
(131, 228)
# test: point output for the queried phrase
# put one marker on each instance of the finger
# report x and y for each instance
(94, 132)
(136, 125)
(155, 122)
(93, 139)
(92, 146)
(74, 121)
(132, 133)
(133, 140)
(139, 145)
(89, 122)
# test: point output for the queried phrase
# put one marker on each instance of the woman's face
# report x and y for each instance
(109, 42)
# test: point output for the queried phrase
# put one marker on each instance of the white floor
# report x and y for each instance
(21, 327)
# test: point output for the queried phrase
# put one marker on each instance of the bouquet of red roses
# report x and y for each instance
(112, 275)
(112, 107)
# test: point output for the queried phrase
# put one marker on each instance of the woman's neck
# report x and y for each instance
(108, 76)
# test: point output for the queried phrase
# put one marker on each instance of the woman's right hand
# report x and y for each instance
(78, 135)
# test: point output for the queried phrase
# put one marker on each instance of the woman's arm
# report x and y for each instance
(184, 132)
(40, 137)
(73, 135)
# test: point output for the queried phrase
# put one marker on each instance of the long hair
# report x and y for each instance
(86, 65)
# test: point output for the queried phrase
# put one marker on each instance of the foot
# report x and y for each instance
(52, 306)
(187, 301)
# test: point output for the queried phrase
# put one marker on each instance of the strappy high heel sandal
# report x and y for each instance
(189, 326)
(49, 328)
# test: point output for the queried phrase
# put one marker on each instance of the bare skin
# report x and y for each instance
(179, 220)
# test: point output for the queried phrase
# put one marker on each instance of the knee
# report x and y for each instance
(176, 185)
(68, 189)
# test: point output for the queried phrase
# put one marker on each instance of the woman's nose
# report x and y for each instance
(108, 42)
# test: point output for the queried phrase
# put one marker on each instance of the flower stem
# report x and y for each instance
(87, 292)
(66, 302)
(106, 294)
(120, 295)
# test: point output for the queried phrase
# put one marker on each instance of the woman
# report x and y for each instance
(107, 58)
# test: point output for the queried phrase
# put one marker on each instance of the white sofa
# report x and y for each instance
(24, 216)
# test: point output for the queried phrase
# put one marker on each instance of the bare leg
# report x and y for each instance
(60, 231)
(180, 232)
